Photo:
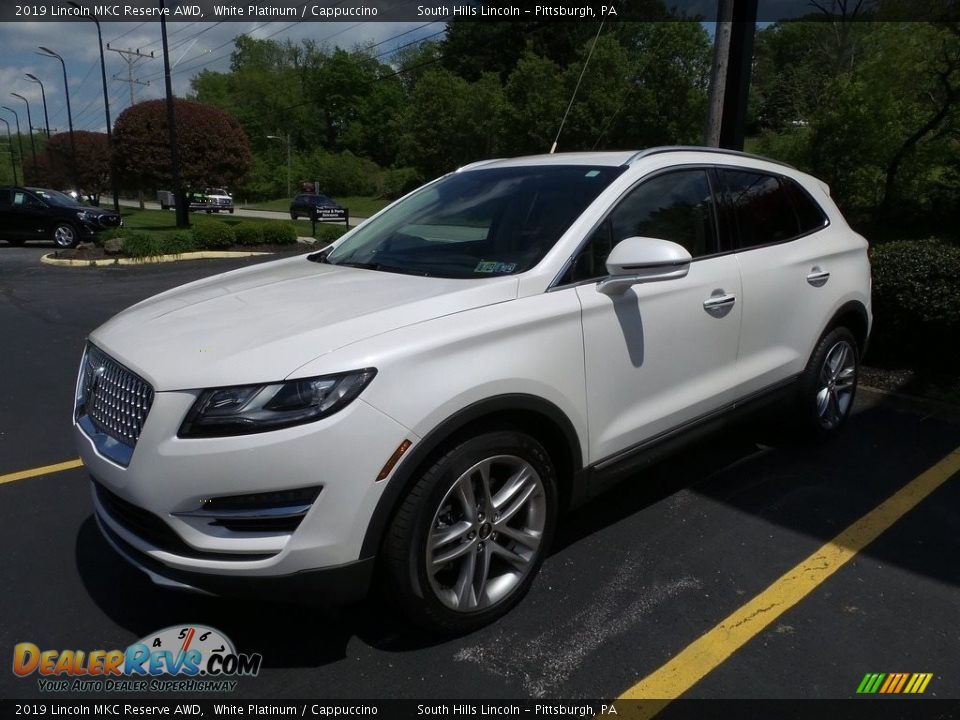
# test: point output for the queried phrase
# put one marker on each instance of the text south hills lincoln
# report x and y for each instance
(554, 11)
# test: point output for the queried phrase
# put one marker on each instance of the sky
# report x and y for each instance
(194, 46)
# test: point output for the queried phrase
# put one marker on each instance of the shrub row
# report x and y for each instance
(205, 235)
(916, 303)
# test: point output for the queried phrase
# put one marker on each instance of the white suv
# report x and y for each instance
(425, 397)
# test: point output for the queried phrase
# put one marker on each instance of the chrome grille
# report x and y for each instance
(116, 399)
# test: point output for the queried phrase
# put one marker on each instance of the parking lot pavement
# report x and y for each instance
(634, 578)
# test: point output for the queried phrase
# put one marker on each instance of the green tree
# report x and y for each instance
(450, 122)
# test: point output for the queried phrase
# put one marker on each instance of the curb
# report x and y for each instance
(201, 255)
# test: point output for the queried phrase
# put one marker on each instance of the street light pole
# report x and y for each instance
(280, 137)
(47, 52)
(33, 145)
(13, 162)
(106, 108)
(19, 139)
(43, 94)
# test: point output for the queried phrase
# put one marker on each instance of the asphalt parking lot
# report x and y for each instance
(636, 577)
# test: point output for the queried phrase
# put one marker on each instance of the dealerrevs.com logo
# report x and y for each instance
(182, 658)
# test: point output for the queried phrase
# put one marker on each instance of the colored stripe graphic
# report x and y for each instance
(894, 683)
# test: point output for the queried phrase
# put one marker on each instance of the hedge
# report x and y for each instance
(213, 235)
(916, 302)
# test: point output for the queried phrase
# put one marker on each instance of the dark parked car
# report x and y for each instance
(310, 204)
(37, 214)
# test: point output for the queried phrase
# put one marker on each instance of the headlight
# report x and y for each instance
(86, 216)
(259, 408)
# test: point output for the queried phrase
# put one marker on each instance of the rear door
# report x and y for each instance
(30, 217)
(788, 253)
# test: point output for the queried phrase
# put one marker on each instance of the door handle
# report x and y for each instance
(719, 305)
(818, 277)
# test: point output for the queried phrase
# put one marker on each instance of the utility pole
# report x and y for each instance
(132, 57)
(730, 79)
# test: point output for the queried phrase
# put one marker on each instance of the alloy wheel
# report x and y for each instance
(486, 534)
(838, 379)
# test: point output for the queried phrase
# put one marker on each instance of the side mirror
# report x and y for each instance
(641, 260)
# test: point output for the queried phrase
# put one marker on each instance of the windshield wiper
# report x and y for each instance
(384, 268)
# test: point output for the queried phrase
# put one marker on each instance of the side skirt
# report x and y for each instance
(599, 477)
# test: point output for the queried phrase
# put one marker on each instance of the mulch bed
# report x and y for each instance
(93, 252)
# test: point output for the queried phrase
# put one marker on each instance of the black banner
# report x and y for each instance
(873, 708)
(352, 11)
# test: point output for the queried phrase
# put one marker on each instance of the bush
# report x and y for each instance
(276, 233)
(249, 233)
(916, 302)
(328, 233)
(178, 243)
(140, 244)
(212, 235)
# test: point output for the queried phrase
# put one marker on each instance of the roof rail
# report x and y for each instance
(694, 148)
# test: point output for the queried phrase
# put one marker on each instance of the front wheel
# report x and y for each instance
(65, 235)
(472, 533)
(829, 383)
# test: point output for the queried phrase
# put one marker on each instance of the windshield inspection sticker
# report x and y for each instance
(492, 266)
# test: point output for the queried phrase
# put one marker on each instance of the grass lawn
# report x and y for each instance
(359, 206)
(164, 222)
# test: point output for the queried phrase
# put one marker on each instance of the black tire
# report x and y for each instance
(521, 474)
(829, 384)
(164, 207)
(293, 216)
(65, 235)
(230, 211)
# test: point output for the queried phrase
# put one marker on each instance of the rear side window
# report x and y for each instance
(768, 209)
(809, 214)
(763, 213)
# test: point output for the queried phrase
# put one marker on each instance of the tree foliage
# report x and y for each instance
(213, 147)
(92, 168)
(484, 89)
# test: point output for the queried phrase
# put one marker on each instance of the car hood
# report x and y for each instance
(262, 323)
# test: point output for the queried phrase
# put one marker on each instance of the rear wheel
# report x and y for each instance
(65, 235)
(829, 383)
(472, 533)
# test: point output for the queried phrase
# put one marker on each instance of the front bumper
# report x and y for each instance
(169, 476)
(334, 586)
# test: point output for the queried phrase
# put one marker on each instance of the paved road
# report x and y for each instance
(241, 212)
(634, 577)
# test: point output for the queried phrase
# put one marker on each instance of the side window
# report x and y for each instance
(676, 206)
(809, 214)
(762, 208)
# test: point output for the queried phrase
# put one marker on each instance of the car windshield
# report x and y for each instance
(55, 197)
(216, 191)
(477, 223)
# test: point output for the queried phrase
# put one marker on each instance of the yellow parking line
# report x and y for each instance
(699, 658)
(45, 470)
